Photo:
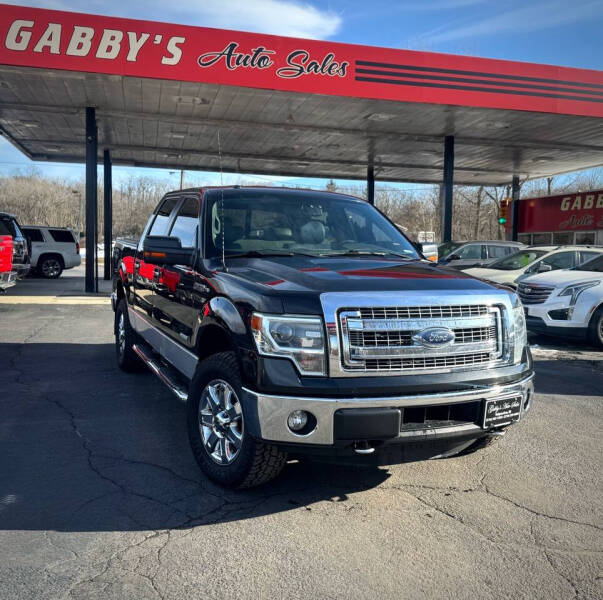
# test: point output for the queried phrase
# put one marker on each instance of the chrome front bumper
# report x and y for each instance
(272, 411)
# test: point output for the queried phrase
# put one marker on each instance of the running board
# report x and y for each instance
(164, 372)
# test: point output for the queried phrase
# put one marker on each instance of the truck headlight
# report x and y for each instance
(300, 339)
(575, 290)
(519, 334)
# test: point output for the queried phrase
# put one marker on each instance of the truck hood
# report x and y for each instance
(316, 275)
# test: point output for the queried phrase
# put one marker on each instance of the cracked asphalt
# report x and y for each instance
(100, 495)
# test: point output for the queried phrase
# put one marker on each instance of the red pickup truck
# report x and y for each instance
(8, 277)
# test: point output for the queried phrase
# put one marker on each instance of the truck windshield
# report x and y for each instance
(519, 260)
(290, 222)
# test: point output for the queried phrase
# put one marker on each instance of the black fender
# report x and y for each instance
(223, 309)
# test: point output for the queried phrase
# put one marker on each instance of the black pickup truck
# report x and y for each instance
(295, 322)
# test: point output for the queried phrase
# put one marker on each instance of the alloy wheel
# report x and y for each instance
(51, 267)
(221, 421)
(121, 334)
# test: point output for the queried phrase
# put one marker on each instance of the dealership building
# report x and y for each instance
(564, 219)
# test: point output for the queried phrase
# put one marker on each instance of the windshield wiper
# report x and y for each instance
(267, 253)
(368, 253)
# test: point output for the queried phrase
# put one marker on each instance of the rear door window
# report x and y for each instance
(561, 260)
(585, 255)
(470, 251)
(34, 235)
(186, 224)
(498, 251)
(62, 236)
(162, 218)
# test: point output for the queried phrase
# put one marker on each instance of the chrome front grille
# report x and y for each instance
(533, 294)
(389, 339)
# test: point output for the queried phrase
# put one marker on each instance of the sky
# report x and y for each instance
(543, 31)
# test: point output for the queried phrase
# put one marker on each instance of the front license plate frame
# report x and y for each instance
(499, 412)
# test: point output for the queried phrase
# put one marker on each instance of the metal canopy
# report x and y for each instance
(159, 123)
(285, 106)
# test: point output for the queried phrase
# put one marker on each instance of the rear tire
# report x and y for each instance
(125, 338)
(50, 267)
(595, 328)
(224, 451)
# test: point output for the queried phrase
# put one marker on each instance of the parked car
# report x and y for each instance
(8, 277)
(53, 249)
(462, 255)
(567, 303)
(298, 322)
(21, 259)
(535, 259)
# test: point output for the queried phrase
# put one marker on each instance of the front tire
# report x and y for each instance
(596, 328)
(223, 449)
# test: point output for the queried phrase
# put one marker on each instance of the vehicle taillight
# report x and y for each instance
(77, 248)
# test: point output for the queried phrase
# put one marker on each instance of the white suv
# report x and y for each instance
(514, 268)
(53, 249)
(567, 302)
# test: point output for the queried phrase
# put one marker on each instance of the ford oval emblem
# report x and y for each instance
(434, 337)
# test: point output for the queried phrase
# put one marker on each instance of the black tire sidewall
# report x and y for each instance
(219, 366)
(595, 327)
(128, 360)
(41, 270)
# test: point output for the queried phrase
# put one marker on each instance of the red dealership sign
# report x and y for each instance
(568, 212)
(48, 39)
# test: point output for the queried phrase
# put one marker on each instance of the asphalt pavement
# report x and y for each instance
(100, 496)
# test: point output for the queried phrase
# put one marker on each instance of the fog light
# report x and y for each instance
(297, 420)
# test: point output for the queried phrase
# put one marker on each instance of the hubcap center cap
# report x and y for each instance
(223, 419)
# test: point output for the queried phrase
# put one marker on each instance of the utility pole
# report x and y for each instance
(182, 179)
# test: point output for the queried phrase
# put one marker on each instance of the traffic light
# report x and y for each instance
(503, 211)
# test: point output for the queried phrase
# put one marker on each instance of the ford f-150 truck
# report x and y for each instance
(295, 322)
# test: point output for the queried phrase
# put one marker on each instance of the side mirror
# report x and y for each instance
(544, 268)
(166, 250)
(453, 257)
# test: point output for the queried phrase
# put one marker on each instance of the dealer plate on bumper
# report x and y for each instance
(501, 411)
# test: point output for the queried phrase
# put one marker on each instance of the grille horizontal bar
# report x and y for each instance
(373, 339)
(423, 312)
(426, 363)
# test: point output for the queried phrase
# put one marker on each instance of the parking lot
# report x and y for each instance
(100, 494)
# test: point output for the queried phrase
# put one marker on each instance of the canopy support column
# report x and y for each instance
(515, 209)
(448, 183)
(91, 199)
(370, 183)
(108, 211)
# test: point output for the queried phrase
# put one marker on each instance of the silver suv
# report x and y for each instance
(53, 249)
(462, 255)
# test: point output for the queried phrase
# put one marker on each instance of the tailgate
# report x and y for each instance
(6, 253)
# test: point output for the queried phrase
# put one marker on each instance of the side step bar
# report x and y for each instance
(164, 372)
